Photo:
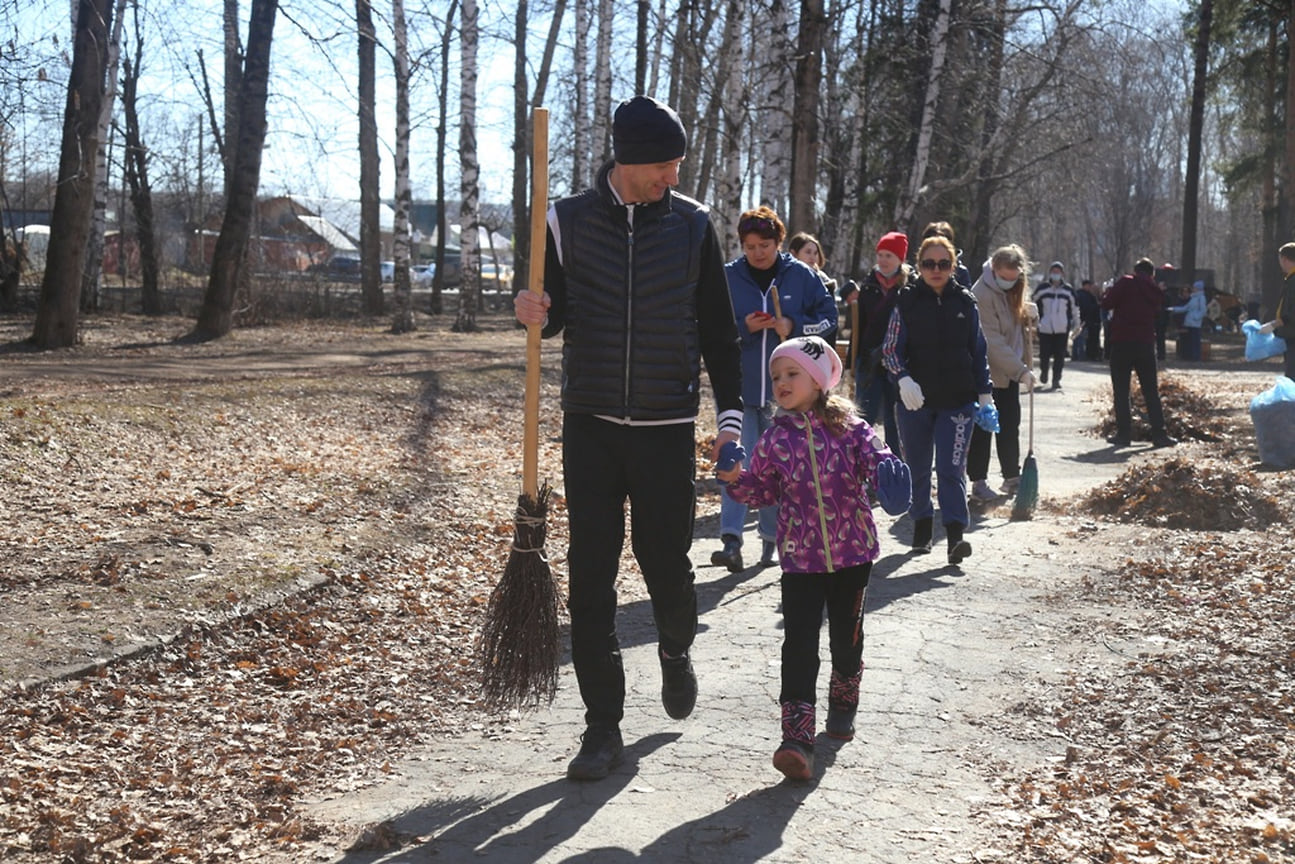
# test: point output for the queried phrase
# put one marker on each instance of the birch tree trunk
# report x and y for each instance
(402, 290)
(469, 212)
(907, 204)
(60, 290)
(216, 317)
(91, 279)
(370, 180)
(580, 171)
(731, 69)
(772, 119)
(602, 138)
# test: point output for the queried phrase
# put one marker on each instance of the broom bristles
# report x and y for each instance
(520, 648)
(1027, 494)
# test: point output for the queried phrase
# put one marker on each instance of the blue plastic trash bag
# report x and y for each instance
(1273, 413)
(1261, 346)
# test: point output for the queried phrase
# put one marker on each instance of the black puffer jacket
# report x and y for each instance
(642, 305)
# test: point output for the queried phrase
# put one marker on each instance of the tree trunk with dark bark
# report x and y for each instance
(57, 309)
(370, 182)
(216, 317)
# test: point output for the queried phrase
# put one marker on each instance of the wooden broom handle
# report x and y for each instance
(777, 310)
(535, 284)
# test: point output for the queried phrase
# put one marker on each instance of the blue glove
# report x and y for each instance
(987, 417)
(729, 455)
(894, 485)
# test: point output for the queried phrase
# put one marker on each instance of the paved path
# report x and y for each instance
(948, 652)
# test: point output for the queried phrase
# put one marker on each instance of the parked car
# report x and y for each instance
(421, 275)
(341, 268)
(388, 270)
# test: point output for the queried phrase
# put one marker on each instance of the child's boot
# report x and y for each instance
(795, 756)
(842, 704)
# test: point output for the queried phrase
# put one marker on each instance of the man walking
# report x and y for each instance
(634, 274)
(1058, 318)
(1134, 302)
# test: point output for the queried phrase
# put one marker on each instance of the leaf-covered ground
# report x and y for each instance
(296, 529)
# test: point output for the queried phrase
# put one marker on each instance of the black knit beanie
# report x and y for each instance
(645, 132)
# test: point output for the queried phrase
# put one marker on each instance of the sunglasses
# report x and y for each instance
(754, 224)
(936, 264)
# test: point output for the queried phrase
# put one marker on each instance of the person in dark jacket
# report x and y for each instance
(634, 277)
(871, 304)
(1134, 302)
(936, 352)
(1088, 344)
(775, 297)
(1283, 323)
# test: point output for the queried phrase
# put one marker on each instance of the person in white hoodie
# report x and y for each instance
(1006, 320)
(1058, 322)
(1193, 312)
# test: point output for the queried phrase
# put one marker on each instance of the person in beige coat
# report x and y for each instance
(1007, 320)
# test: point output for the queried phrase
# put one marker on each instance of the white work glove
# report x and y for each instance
(910, 393)
(1028, 381)
(986, 399)
(1268, 328)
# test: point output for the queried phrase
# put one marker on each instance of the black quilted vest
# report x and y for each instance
(940, 337)
(631, 347)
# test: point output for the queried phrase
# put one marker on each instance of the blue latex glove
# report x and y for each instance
(987, 417)
(729, 455)
(894, 485)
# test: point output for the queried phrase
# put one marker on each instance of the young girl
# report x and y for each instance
(816, 463)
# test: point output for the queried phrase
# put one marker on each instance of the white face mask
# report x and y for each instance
(1004, 284)
(1054, 278)
(889, 275)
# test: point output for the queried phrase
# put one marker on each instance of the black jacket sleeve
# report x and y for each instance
(720, 348)
(555, 283)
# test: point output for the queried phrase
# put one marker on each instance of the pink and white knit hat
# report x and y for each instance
(815, 356)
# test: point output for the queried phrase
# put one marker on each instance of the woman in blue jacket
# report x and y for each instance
(937, 354)
(774, 297)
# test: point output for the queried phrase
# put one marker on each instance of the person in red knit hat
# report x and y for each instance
(874, 392)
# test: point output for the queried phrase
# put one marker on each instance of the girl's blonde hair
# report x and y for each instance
(836, 411)
(1013, 255)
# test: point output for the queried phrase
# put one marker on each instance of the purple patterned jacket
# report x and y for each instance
(824, 520)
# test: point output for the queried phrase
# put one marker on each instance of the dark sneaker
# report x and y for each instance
(730, 556)
(922, 536)
(958, 550)
(678, 686)
(840, 723)
(1122, 441)
(795, 760)
(767, 556)
(600, 752)
(1163, 441)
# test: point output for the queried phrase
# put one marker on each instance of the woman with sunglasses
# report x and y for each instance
(775, 297)
(936, 353)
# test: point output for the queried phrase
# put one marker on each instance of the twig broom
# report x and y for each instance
(520, 648)
(1027, 493)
